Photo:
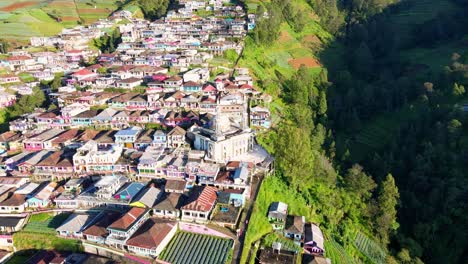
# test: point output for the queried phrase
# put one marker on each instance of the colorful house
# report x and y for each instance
(147, 198)
(124, 227)
(313, 240)
(152, 237)
(129, 191)
(277, 214)
(127, 136)
(43, 197)
(199, 204)
(97, 232)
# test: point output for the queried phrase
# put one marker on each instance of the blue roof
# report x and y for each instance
(131, 190)
(242, 172)
(127, 132)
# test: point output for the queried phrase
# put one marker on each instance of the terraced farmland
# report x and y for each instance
(336, 253)
(23, 19)
(194, 248)
(370, 248)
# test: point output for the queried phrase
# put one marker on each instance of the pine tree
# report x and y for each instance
(386, 220)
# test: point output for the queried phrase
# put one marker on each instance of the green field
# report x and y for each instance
(45, 223)
(196, 249)
(47, 17)
(24, 240)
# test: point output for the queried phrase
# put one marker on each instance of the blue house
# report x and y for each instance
(129, 191)
(159, 139)
(85, 118)
(192, 87)
(127, 136)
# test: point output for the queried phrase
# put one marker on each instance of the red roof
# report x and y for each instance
(95, 66)
(13, 58)
(82, 72)
(151, 234)
(74, 51)
(47, 115)
(99, 228)
(209, 88)
(202, 199)
(128, 219)
(246, 86)
(67, 135)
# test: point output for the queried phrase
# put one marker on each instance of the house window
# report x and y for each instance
(187, 213)
(201, 215)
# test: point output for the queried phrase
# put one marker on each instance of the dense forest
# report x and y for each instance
(408, 191)
(427, 152)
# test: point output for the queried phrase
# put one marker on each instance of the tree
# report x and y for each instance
(294, 155)
(4, 46)
(386, 220)
(322, 105)
(153, 9)
(359, 183)
(362, 60)
(458, 90)
(404, 256)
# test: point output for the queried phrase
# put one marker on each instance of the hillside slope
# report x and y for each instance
(23, 19)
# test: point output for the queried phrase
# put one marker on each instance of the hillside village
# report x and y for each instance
(150, 148)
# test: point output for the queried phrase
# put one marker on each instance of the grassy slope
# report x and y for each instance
(265, 62)
(272, 190)
(376, 133)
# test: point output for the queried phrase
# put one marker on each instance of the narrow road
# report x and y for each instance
(256, 183)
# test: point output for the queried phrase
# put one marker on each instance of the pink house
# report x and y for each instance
(74, 55)
(7, 99)
(160, 77)
(84, 74)
(9, 78)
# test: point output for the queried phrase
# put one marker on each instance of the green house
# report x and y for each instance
(277, 214)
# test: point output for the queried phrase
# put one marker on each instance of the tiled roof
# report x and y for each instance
(67, 135)
(87, 114)
(99, 229)
(82, 72)
(191, 84)
(127, 220)
(177, 131)
(152, 233)
(201, 199)
(295, 224)
(14, 200)
(170, 202)
(51, 160)
(9, 136)
(130, 80)
(176, 185)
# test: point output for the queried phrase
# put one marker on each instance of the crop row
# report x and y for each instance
(195, 248)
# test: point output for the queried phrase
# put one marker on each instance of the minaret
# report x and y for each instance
(245, 115)
(218, 125)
